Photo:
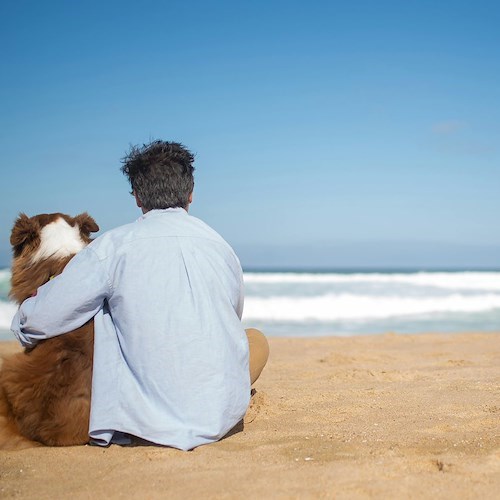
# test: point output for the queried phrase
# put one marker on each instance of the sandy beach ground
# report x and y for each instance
(389, 416)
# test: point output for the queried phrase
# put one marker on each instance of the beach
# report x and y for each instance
(381, 416)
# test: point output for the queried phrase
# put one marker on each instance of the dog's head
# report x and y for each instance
(42, 246)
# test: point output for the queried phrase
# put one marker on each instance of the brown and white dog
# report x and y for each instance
(45, 391)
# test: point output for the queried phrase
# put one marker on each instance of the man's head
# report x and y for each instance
(160, 174)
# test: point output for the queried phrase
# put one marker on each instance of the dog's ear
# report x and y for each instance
(24, 231)
(86, 224)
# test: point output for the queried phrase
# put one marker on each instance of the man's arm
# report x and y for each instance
(64, 303)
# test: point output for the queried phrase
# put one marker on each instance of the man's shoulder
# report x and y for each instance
(202, 229)
(210, 234)
(104, 242)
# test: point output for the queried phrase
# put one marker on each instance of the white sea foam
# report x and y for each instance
(7, 308)
(4, 275)
(333, 307)
(7, 311)
(486, 281)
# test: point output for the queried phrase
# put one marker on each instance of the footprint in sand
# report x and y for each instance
(258, 402)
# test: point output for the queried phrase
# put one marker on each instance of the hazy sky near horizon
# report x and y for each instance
(327, 134)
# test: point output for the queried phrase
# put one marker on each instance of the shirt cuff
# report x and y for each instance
(27, 339)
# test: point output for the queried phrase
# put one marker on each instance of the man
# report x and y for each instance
(171, 358)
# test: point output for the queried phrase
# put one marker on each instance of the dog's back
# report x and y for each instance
(45, 391)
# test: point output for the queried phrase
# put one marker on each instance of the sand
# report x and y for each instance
(389, 416)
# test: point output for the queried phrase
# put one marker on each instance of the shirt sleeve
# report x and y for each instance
(64, 303)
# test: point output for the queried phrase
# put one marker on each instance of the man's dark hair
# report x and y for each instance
(160, 174)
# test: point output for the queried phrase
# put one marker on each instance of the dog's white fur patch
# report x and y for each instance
(57, 240)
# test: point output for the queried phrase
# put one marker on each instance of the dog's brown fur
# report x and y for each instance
(45, 391)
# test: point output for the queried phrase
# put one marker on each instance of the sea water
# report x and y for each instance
(367, 302)
(354, 302)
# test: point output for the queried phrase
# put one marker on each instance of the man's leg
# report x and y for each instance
(259, 352)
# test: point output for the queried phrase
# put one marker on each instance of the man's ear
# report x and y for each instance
(86, 224)
(24, 231)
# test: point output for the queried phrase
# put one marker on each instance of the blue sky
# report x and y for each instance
(327, 134)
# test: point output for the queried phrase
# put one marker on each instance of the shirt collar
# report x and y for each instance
(160, 211)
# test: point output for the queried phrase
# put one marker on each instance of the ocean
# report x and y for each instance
(357, 302)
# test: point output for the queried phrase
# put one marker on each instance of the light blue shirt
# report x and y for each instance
(170, 352)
